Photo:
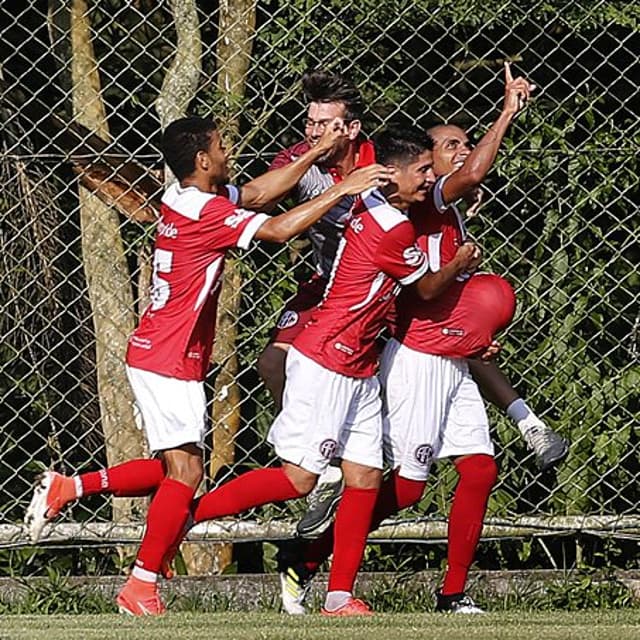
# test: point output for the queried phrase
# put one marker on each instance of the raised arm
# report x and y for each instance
(265, 191)
(287, 225)
(478, 163)
(432, 284)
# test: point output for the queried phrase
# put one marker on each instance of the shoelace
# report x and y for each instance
(320, 496)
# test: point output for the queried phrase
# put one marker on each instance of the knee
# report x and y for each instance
(362, 478)
(271, 363)
(185, 469)
(303, 481)
(480, 470)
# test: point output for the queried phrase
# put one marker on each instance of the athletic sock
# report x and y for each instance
(129, 479)
(396, 493)
(168, 513)
(353, 519)
(251, 489)
(520, 412)
(478, 474)
(336, 599)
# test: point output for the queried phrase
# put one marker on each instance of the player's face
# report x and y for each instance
(319, 115)
(413, 180)
(451, 146)
(214, 160)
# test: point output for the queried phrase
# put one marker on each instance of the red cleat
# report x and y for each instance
(352, 607)
(139, 598)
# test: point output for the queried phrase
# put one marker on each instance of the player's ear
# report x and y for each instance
(202, 160)
(355, 126)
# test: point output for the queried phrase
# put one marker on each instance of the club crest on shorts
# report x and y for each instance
(423, 454)
(288, 319)
(328, 448)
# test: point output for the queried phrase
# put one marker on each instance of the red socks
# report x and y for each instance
(478, 474)
(395, 494)
(251, 489)
(167, 515)
(130, 479)
(353, 519)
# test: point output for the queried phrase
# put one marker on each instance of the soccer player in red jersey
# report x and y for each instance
(169, 352)
(331, 402)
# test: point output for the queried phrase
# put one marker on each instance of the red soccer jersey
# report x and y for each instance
(462, 320)
(377, 252)
(195, 230)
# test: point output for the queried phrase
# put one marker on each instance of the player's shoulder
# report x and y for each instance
(186, 201)
(291, 153)
(385, 215)
(191, 202)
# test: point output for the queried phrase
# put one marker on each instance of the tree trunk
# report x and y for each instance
(107, 274)
(178, 90)
(236, 28)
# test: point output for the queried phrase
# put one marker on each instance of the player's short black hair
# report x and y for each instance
(182, 140)
(320, 85)
(401, 144)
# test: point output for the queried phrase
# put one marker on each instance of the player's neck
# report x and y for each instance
(395, 198)
(201, 182)
(344, 164)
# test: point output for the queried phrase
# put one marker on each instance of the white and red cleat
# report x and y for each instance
(52, 492)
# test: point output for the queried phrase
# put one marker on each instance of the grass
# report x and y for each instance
(594, 625)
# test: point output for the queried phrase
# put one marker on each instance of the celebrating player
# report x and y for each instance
(169, 352)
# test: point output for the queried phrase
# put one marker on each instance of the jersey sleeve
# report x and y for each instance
(282, 159)
(399, 256)
(228, 226)
(230, 192)
(438, 196)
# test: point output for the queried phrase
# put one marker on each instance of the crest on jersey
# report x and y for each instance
(423, 454)
(288, 319)
(328, 448)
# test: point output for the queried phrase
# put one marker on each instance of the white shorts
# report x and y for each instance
(433, 410)
(326, 414)
(173, 411)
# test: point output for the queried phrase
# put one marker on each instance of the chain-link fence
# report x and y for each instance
(86, 89)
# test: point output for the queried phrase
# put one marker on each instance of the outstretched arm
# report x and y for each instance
(469, 177)
(265, 191)
(287, 225)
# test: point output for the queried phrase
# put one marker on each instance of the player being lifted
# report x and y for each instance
(169, 352)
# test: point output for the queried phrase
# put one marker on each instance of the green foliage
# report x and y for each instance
(590, 591)
(55, 596)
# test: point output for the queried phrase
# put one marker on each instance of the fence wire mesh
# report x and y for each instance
(88, 86)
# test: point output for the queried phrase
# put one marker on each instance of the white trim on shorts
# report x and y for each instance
(173, 411)
(326, 414)
(433, 410)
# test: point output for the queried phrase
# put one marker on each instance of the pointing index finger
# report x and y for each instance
(507, 72)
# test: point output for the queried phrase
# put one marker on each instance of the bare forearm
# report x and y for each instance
(265, 191)
(294, 222)
(433, 284)
(479, 161)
